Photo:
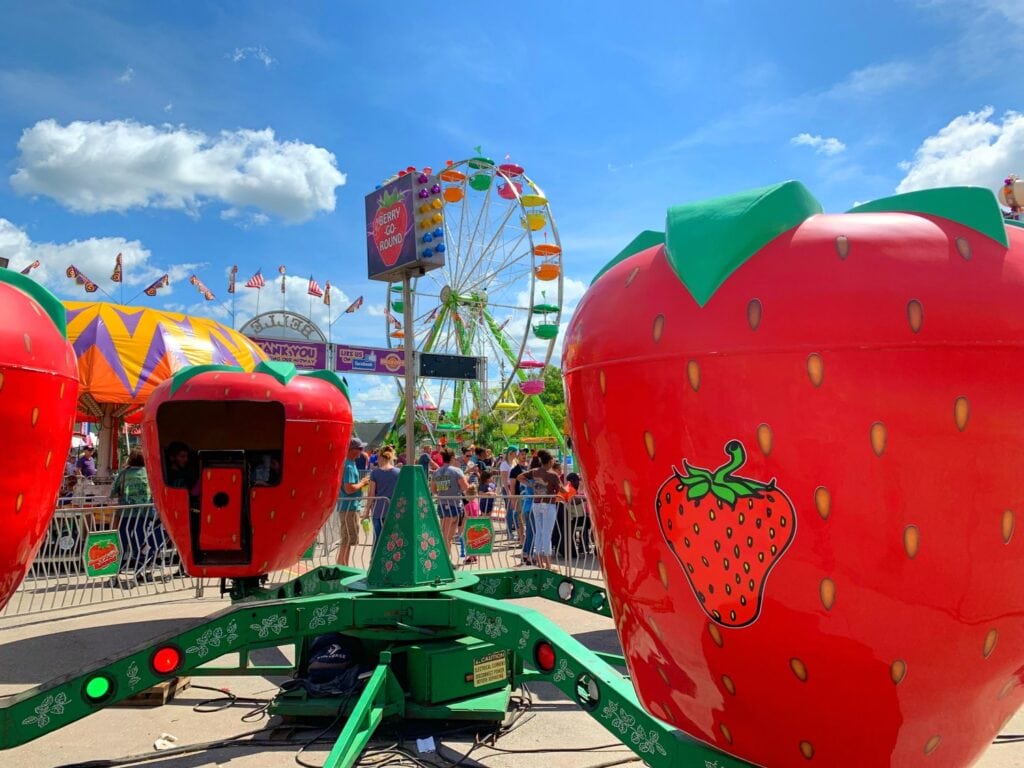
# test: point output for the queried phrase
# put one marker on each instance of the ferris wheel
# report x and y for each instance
(498, 296)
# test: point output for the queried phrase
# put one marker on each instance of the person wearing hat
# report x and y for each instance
(350, 501)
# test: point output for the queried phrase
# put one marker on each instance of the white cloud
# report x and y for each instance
(119, 165)
(821, 145)
(972, 149)
(257, 52)
(169, 106)
(877, 78)
(127, 76)
(95, 257)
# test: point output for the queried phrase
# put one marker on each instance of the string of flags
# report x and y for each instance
(82, 279)
(203, 290)
(257, 281)
(160, 282)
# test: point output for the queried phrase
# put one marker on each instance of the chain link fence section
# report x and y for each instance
(151, 567)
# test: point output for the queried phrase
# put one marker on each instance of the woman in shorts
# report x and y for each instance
(448, 484)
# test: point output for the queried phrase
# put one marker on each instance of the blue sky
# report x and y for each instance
(193, 136)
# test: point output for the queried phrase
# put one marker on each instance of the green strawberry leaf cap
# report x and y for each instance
(721, 482)
(50, 304)
(281, 372)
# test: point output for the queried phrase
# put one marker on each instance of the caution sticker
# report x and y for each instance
(489, 669)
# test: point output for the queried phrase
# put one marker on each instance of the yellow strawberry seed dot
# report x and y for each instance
(49, 456)
(60, 394)
(35, 416)
(843, 246)
(764, 438)
(1, 380)
(693, 374)
(649, 444)
(897, 671)
(716, 634)
(911, 540)
(601, 382)
(754, 313)
(823, 501)
(725, 732)
(659, 327)
(298, 449)
(632, 276)
(878, 438)
(806, 749)
(663, 574)
(627, 490)
(990, 642)
(828, 593)
(586, 431)
(1008, 524)
(932, 744)
(961, 412)
(815, 368)
(915, 315)
(18, 502)
(728, 684)
(28, 343)
(1010, 685)
(799, 669)
(964, 248)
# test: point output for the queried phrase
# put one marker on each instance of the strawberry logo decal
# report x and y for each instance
(727, 532)
(389, 226)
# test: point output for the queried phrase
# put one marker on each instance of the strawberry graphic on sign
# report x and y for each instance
(389, 226)
(727, 532)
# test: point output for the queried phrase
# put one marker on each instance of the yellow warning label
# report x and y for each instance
(489, 669)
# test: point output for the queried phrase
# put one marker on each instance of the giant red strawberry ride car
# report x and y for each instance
(38, 390)
(802, 436)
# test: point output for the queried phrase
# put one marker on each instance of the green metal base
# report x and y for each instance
(440, 646)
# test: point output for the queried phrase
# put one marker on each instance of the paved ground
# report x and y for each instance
(35, 649)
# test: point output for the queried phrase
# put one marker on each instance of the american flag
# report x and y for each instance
(30, 267)
(118, 274)
(256, 281)
(354, 305)
(231, 280)
(314, 288)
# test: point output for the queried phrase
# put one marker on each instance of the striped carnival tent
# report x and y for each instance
(124, 353)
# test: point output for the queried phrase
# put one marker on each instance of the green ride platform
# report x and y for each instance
(439, 646)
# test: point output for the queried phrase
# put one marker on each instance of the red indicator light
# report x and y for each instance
(544, 655)
(166, 660)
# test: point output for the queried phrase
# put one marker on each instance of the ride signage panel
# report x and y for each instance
(435, 366)
(379, 360)
(405, 227)
(304, 355)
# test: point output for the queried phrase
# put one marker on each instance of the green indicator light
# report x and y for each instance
(97, 687)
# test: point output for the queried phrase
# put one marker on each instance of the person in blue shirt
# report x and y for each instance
(86, 463)
(350, 501)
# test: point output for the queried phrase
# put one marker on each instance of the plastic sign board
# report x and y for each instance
(102, 553)
(379, 360)
(405, 227)
(435, 366)
(479, 535)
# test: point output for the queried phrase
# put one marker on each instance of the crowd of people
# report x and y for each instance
(526, 488)
(467, 481)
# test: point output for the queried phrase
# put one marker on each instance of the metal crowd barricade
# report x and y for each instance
(59, 578)
(151, 567)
